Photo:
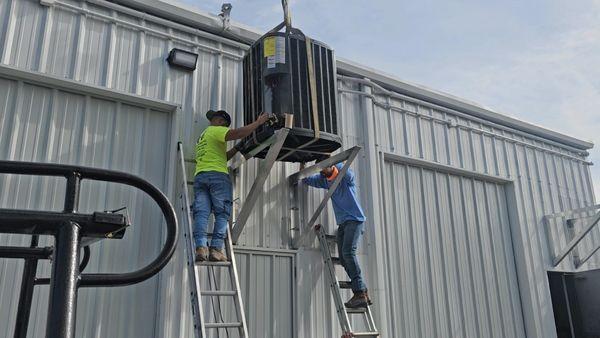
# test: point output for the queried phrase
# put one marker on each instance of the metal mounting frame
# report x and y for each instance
(348, 156)
(574, 239)
(573, 243)
(276, 143)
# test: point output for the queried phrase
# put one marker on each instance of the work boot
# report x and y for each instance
(201, 254)
(217, 255)
(358, 300)
(369, 301)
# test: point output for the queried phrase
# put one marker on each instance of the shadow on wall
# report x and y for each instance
(576, 303)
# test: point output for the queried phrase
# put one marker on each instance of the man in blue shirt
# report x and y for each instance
(350, 218)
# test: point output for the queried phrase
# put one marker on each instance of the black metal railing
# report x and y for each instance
(72, 231)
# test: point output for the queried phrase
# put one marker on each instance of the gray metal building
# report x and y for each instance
(455, 194)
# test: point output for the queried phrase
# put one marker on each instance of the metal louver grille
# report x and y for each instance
(253, 97)
(300, 95)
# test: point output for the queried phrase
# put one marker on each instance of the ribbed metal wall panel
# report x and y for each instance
(448, 247)
(49, 125)
(267, 286)
(101, 44)
(546, 178)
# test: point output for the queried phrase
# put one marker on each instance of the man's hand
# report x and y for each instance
(240, 133)
(262, 118)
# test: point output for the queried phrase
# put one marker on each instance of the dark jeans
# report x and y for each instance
(348, 238)
(212, 193)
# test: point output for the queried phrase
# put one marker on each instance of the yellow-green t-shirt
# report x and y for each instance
(211, 150)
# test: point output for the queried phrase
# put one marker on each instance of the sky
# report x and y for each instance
(536, 60)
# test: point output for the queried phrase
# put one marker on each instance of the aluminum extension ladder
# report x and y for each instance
(336, 286)
(196, 270)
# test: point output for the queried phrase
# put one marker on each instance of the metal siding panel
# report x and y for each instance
(153, 69)
(267, 286)
(463, 257)
(5, 7)
(125, 60)
(425, 134)
(62, 46)
(513, 296)
(448, 219)
(25, 34)
(53, 126)
(455, 319)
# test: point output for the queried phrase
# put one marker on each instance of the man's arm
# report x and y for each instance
(349, 177)
(317, 181)
(240, 133)
(231, 153)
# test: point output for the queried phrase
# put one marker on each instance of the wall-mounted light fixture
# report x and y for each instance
(182, 59)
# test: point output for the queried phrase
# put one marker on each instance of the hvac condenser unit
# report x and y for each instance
(277, 80)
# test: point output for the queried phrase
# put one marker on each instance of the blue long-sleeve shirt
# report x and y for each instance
(345, 200)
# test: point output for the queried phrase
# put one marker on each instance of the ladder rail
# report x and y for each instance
(235, 281)
(370, 320)
(196, 293)
(187, 230)
(333, 283)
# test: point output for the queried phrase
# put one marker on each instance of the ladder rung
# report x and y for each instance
(365, 334)
(209, 263)
(331, 238)
(345, 285)
(357, 310)
(336, 260)
(222, 325)
(218, 293)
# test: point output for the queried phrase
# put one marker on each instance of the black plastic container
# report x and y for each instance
(276, 80)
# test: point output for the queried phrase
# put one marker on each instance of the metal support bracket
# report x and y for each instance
(573, 243)
(348, 156)
(275, 147)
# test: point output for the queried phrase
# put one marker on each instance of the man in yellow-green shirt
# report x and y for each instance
(212, 186)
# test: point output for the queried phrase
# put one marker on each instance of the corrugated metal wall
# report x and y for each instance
(449, 248)
(103, 44)
(50, 125)
(545, 178)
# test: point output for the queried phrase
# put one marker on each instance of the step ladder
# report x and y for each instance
(343, 313)
(197, 270)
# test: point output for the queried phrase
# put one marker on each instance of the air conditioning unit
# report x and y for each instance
(277, 80)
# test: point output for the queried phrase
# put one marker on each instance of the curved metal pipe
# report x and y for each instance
(86, 258)
(110, 279)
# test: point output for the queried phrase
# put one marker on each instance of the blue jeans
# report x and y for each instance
(348, 238)
(212, 193)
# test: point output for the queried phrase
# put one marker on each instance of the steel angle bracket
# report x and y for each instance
(349, 156)
(276, 143)
(575, 240)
